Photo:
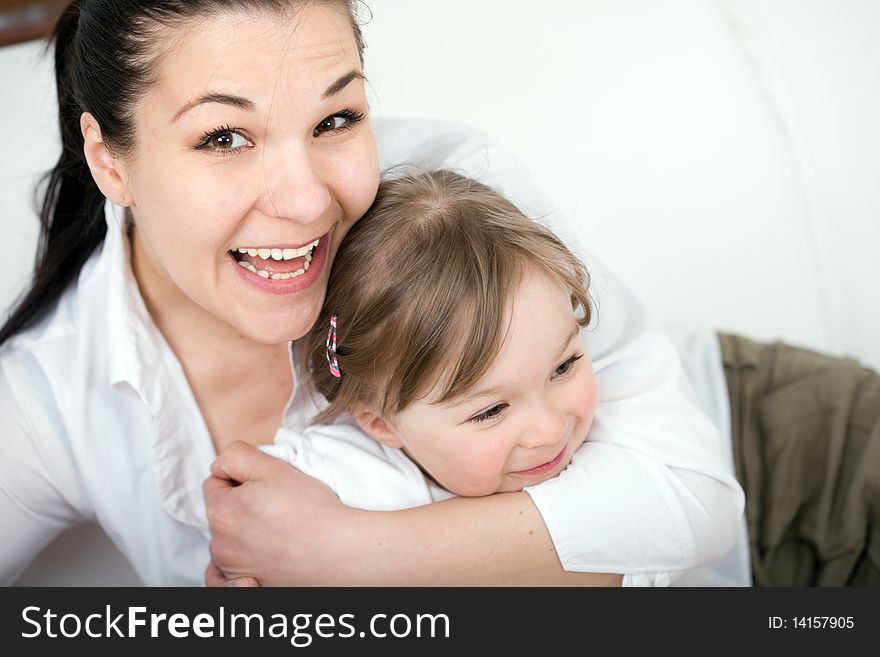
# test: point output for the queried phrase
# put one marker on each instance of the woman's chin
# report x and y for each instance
(269, 333)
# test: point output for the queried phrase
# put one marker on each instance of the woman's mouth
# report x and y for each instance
(275, 262)
(281, 269)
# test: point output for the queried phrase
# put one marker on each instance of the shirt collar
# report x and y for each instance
(139, 356)
(134, 340)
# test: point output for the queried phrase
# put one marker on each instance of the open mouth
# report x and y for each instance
(275, 262)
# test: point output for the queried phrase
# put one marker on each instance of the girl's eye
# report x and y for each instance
(565, 367)
(224, 141)
(488, 414)
(339, 122)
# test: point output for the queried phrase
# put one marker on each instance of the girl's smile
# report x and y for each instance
(547, 468)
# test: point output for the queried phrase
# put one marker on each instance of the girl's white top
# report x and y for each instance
(97, 420)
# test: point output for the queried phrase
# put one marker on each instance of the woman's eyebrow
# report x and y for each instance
(342, 83)
(245, 104)
(223, 99)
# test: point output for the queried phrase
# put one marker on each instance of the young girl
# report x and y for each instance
(449, 350)
(454, 342)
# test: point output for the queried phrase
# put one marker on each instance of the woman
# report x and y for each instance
(224, 133)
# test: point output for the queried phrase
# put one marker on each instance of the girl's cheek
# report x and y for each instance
(587, 392)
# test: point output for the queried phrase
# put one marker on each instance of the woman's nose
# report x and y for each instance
(295, 187)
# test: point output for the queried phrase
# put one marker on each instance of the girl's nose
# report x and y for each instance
(546, 428)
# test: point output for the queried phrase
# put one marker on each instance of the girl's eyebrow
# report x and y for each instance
(495, 390)
(568, 339)
(485, 392)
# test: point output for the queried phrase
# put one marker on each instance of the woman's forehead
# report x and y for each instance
(263, 57)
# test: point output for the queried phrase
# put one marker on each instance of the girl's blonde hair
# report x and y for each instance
(421, 286)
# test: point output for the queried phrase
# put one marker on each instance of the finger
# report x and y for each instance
(214, 576)
(243, 581)
(213, 492)
(240, 461)
(212, 487)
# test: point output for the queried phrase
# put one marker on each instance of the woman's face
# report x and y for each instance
(254, 157)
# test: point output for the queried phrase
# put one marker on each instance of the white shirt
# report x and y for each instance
(700, 354)
(98, 422)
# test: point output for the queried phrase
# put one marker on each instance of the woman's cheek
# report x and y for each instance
(362, 178)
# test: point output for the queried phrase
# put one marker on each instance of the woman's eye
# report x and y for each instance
(338, 122)
(224, 141)
(565, 367)
(488, 414)
(331, 123)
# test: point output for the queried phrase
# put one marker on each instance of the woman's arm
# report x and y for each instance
(34, 475)
(302, 535)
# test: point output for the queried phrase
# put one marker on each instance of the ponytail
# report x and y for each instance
(71, 218)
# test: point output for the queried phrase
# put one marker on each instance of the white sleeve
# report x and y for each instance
(38, 478)
(361, 472)
(649, 491)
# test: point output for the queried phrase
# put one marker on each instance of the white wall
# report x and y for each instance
(654, 126)
(30, 147)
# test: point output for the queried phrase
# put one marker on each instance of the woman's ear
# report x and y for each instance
(377, 428)
(105, 167)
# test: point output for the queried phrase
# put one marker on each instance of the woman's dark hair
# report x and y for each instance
(105, 57)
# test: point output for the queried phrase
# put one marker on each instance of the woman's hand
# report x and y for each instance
(215, 577)
(270, 523)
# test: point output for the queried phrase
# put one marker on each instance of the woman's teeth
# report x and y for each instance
(280, 254)
(304, 252)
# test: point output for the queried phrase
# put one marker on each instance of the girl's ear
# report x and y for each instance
(377, 428)
(105, 167)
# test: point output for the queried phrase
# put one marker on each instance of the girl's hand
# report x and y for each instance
(271, 523)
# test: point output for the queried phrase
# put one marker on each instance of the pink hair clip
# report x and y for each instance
(331, 348)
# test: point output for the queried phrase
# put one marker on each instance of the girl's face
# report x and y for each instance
(523, 421)
(254, 157)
